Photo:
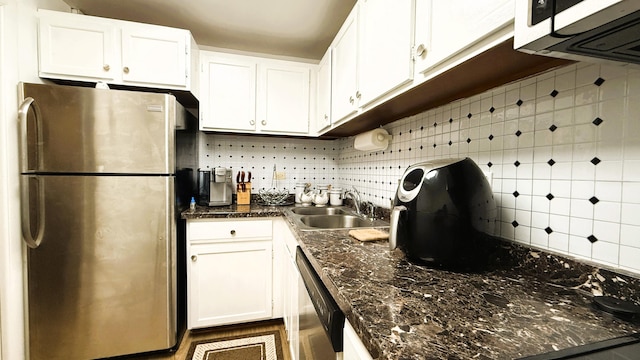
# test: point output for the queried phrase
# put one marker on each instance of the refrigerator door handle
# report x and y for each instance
(25, 196)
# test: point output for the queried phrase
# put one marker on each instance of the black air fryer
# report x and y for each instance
(444, 214)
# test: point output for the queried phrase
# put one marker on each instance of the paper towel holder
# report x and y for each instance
(373, 140)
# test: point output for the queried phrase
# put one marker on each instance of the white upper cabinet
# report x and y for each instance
(446, 28)
(154, 55)
(371, 54)
(323, 105)
(344, 68)
(283, 101)
(386, 38)
(88, 48)
(228, 92)
(254, 95)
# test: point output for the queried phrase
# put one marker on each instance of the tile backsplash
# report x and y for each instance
(562, 150)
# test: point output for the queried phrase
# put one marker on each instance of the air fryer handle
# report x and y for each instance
(393, 230)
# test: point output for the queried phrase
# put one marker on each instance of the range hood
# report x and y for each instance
(583, 30)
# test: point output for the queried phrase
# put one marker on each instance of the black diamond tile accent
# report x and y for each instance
(553, 128)
(514, 224)
(592, 238)
(597, 121)
(434, 146)
(435, 124)
(519, 102)
(548, 230)
(468, 140)
(550, 196)
(554, 93)
(469, 115)
(450, 143)
(599, 81)
(516, 194)
(518, 133)
(492, 109)
(516, 163)
(490, 137)
(489, 164)
(594, 200)
(595, 161)
(551, 162)
(450, 120)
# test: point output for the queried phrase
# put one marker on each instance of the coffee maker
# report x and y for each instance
(215, 187)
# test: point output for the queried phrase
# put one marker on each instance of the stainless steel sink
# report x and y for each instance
(331, 218)
(318, 210)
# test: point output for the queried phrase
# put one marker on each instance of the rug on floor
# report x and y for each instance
(260, 346)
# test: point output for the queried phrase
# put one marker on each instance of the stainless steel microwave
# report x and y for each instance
(584, 30)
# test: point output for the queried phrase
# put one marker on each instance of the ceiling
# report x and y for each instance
(294, 28)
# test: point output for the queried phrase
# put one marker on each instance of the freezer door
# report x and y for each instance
(86, 130)
(103, 280)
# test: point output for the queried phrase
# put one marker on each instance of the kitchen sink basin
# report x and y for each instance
(331, 218)
(318, 210)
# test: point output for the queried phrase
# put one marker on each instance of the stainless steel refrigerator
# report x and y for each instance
(99, 207)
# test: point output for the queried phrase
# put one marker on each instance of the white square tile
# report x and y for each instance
(580, 246)
(559, 242)
(580, 227)
(539, 238)
(607, 231)
(607, 211)
(539, 220)
(630, 258)
(587, 75)
(629, 214)
(560, 206)
(609, 171)
(559, 223)
(630, 235)
(609, 191)
(522, 234)
(605, 252)
(631, 192)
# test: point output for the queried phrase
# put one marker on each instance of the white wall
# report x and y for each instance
(18, 62)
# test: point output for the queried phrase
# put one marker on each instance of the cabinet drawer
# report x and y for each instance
(228, 229)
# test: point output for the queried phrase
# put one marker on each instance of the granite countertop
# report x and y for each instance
(527, 302)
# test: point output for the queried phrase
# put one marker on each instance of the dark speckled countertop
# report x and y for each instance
(527, 302)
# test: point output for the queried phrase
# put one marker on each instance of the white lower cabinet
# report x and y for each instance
(353, 347)
(288, 243)
(229, 271)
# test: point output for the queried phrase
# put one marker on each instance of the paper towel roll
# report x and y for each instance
(374, 140)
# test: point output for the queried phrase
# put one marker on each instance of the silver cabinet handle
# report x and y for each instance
(25, 178)
(194, 258)
(326, 117)
(421, 50)
(106, 67)
(351, 99)
(126, 69)
(233, 232)
(252, 122)
(358, 95)
(263, 122)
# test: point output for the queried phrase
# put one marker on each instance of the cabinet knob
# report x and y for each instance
(326, 117)
(194, 258)
(421, 50)
(358, 95)
(106, 67)
(125, 69)
(252, 122)
(263, 122)
(233, 232)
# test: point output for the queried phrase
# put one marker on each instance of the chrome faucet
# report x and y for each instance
(355, 196)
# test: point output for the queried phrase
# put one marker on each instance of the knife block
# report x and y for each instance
(244, 197)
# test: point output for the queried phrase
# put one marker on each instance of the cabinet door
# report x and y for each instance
(228, 93)
(384, 59)
(454, 25)
(344, 76)
(283, 98)
(323, 114)
(154, 55)
(229, 282)
(76, 46)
